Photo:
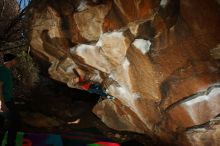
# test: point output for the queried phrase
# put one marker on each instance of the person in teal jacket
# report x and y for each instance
(11, 113)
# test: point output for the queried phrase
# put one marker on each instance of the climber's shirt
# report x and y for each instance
(6, 78)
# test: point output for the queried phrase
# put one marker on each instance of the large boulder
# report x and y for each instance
(159, 59)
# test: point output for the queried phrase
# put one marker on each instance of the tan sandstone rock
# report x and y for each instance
(158, 55)
(201, 136)
(198, 110)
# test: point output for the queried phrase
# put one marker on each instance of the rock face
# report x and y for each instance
(158, 59)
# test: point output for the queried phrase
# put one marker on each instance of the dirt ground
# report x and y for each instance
(53, 107)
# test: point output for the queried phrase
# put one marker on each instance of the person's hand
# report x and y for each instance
(3, 107)
(76, 80)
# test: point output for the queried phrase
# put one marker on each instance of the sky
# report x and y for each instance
(23, 3)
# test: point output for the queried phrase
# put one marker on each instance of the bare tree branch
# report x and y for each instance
(3, 8)
(14, 28)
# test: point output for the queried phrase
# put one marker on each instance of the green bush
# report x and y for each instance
(27, 71)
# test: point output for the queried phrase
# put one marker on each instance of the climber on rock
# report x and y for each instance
(7, 97)
(90, 86)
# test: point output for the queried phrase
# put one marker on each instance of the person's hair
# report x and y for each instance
(9, 57)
